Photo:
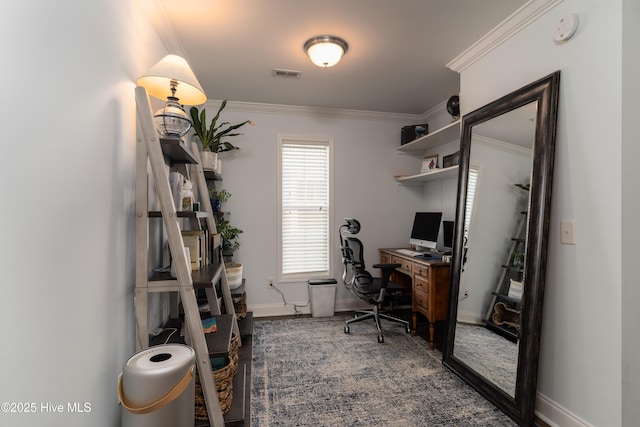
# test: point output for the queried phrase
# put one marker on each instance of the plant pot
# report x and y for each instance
(234, 274)
(209, 160)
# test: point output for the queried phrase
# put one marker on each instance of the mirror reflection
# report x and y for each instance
(491, 280)
(498, 269)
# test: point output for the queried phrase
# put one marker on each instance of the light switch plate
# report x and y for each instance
(568, 232)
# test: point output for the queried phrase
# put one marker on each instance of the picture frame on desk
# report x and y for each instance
(429, 163)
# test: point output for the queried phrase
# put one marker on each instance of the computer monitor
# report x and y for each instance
(426, 226)
(447, 235)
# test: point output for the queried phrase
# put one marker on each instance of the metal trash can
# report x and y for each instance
(322, 297)
(156, 388)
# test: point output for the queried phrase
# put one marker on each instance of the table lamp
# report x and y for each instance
(172, 79)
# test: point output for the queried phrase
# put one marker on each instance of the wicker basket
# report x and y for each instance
(223, 379)
(234, 274)
(240, 306)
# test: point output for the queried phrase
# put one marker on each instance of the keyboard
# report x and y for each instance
(409, 252)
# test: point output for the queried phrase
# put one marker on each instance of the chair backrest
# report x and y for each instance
(351, 227)
(354, 276)
(355, 252)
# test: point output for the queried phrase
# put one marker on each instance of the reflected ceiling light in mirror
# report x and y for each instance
(325, 51)
(172, 79)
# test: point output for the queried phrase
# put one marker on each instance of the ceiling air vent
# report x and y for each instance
(287, 74)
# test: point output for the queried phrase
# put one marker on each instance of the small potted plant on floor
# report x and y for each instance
(212, 135)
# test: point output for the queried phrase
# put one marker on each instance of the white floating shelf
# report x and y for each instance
(434, 175)
(443, 135)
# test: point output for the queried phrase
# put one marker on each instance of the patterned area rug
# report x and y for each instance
(489, 354)
(308, 372)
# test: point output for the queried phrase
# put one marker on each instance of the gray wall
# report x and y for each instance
(67, 222)
(580, 378)
(365, 162)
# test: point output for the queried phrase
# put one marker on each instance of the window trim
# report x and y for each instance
(283, 139)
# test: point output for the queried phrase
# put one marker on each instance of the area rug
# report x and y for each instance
(308, 372)
(489, 354)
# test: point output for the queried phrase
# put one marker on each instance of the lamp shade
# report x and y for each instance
(325, 51)
(157, 81)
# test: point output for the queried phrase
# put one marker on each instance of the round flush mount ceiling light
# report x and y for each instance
(325, 51)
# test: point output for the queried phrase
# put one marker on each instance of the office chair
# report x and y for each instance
(376, 291)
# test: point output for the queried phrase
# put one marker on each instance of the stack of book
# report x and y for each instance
(515, 289)
(196, 241)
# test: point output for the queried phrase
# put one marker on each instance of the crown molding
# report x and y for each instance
(502, 145)
(512, 25)
(300, 110)
(434, 112)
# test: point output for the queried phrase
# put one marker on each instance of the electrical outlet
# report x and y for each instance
(270, 282)
(466, 292)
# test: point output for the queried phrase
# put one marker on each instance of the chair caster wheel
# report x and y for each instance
(408, 330)
(380, 339)
(346, 329)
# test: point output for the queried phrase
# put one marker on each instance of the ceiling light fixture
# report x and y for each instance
(173, 80)
(325, 51)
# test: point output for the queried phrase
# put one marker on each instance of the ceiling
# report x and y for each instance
(396, 62)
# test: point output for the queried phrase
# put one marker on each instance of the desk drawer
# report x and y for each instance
(421, 270)
(420, 301)
(405, 266)
(421, 284)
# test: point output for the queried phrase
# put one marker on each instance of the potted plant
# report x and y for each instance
(230, 236)
(230, 243)
(212, 135)
(218, 198)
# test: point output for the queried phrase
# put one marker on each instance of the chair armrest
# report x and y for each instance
(387, 271)
(387, 266)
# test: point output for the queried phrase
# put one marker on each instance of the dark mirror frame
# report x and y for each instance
(545, 91)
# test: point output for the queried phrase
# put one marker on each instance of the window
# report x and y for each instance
(474, 171)
(304, 207)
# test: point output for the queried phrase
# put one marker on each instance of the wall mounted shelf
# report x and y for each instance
(441, 136)
(434, 175)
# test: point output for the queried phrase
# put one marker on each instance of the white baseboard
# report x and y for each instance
(269, 310)
(555, 415)
(469, 317)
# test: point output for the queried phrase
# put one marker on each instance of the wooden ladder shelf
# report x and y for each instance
(149, 148)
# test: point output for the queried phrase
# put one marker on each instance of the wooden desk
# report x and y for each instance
(429, 281)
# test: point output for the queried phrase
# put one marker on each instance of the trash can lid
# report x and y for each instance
(161, 357)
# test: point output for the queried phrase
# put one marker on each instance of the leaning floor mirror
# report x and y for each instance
(499, 259)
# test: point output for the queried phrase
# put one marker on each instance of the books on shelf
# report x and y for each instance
(196, 241)
(209, 325)
(515, 289)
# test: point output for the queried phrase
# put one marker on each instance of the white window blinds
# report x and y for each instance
(304, 208)
(471, 194)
